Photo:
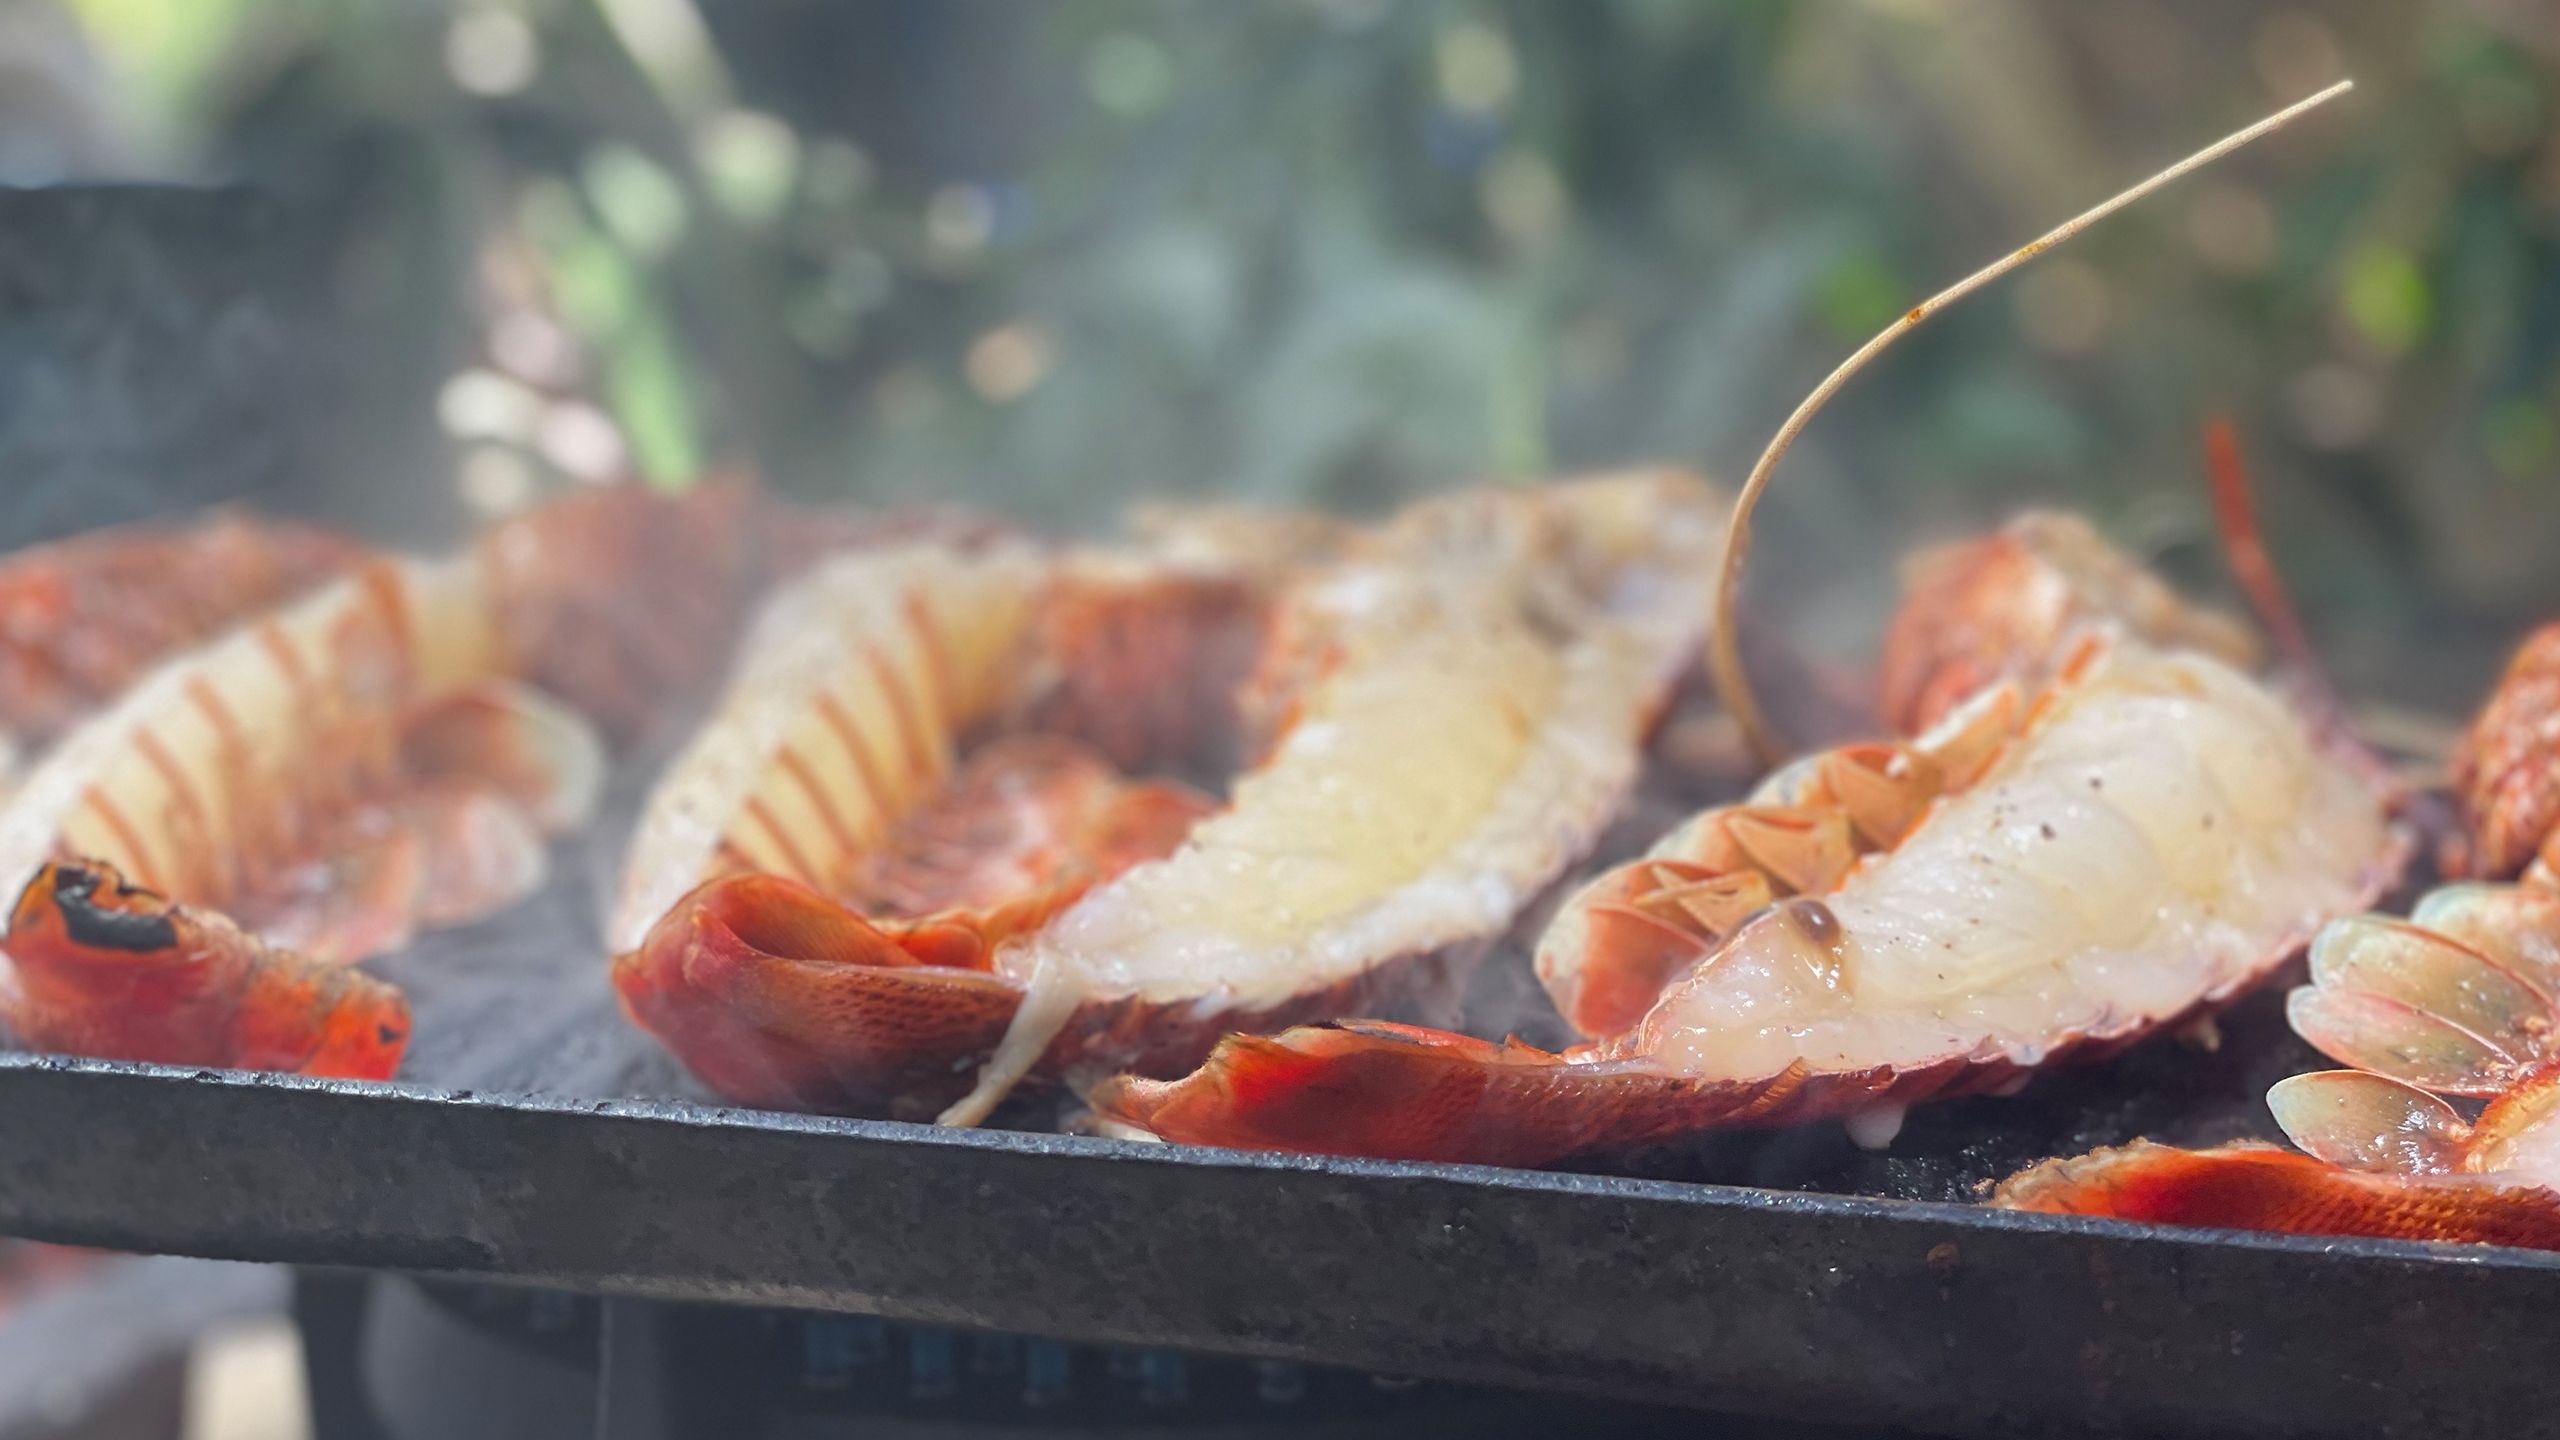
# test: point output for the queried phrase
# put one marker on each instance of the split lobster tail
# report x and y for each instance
(2262, 1187)
(323, 779)
(910, 866)
(106, 969)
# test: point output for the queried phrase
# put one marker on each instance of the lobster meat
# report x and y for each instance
(197, 866)
(2461, 999)
(1439, 717)
(81, 619)
(2027, 882)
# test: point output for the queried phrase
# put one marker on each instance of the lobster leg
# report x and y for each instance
(2259, 1187)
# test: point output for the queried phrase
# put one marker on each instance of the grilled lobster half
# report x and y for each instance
(908, 865)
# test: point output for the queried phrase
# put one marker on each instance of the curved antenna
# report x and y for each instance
(1733, 683)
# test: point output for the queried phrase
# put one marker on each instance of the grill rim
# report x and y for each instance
(1816, 1306)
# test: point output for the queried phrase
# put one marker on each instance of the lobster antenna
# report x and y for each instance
(2244, 547)
(1733, 683)
(2235, 515)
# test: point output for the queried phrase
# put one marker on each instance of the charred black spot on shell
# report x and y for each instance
(88, 923)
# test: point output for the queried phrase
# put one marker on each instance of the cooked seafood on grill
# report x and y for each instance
(1876, 926)
(2456, 1001)
(81, 619)
(195, 867)
(2249, 1186)
(837, 901)
(2506, 775)
(2460, 1000)
(2047, 872)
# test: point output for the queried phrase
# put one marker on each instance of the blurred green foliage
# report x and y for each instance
(1059, 256)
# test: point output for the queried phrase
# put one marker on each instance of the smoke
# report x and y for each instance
(158, 347)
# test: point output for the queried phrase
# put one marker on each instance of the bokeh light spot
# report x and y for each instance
(1858, 293)
(2520, 437)
(2296, 53)
(2386, 298)
(836, 173)
(483, 405)
(959, 221)
(491, 52)
(1127, 73)
(751, 160)
(581, 440)
(1477, 69)
(636, 198)
(531, 344)
(1007, 362)
(495, 481)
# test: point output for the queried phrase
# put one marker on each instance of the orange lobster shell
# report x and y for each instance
(82, 619)
(2461, 999)
(2009, 605)
(2506, 775)
(2263, 1187)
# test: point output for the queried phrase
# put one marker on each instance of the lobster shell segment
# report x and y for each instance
(2506, 774)
(2155, 837)
(2009, 605)
(1406, 1092)
(2460, 999)
(82, 619)
(109, 970)
(2262, 1187)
